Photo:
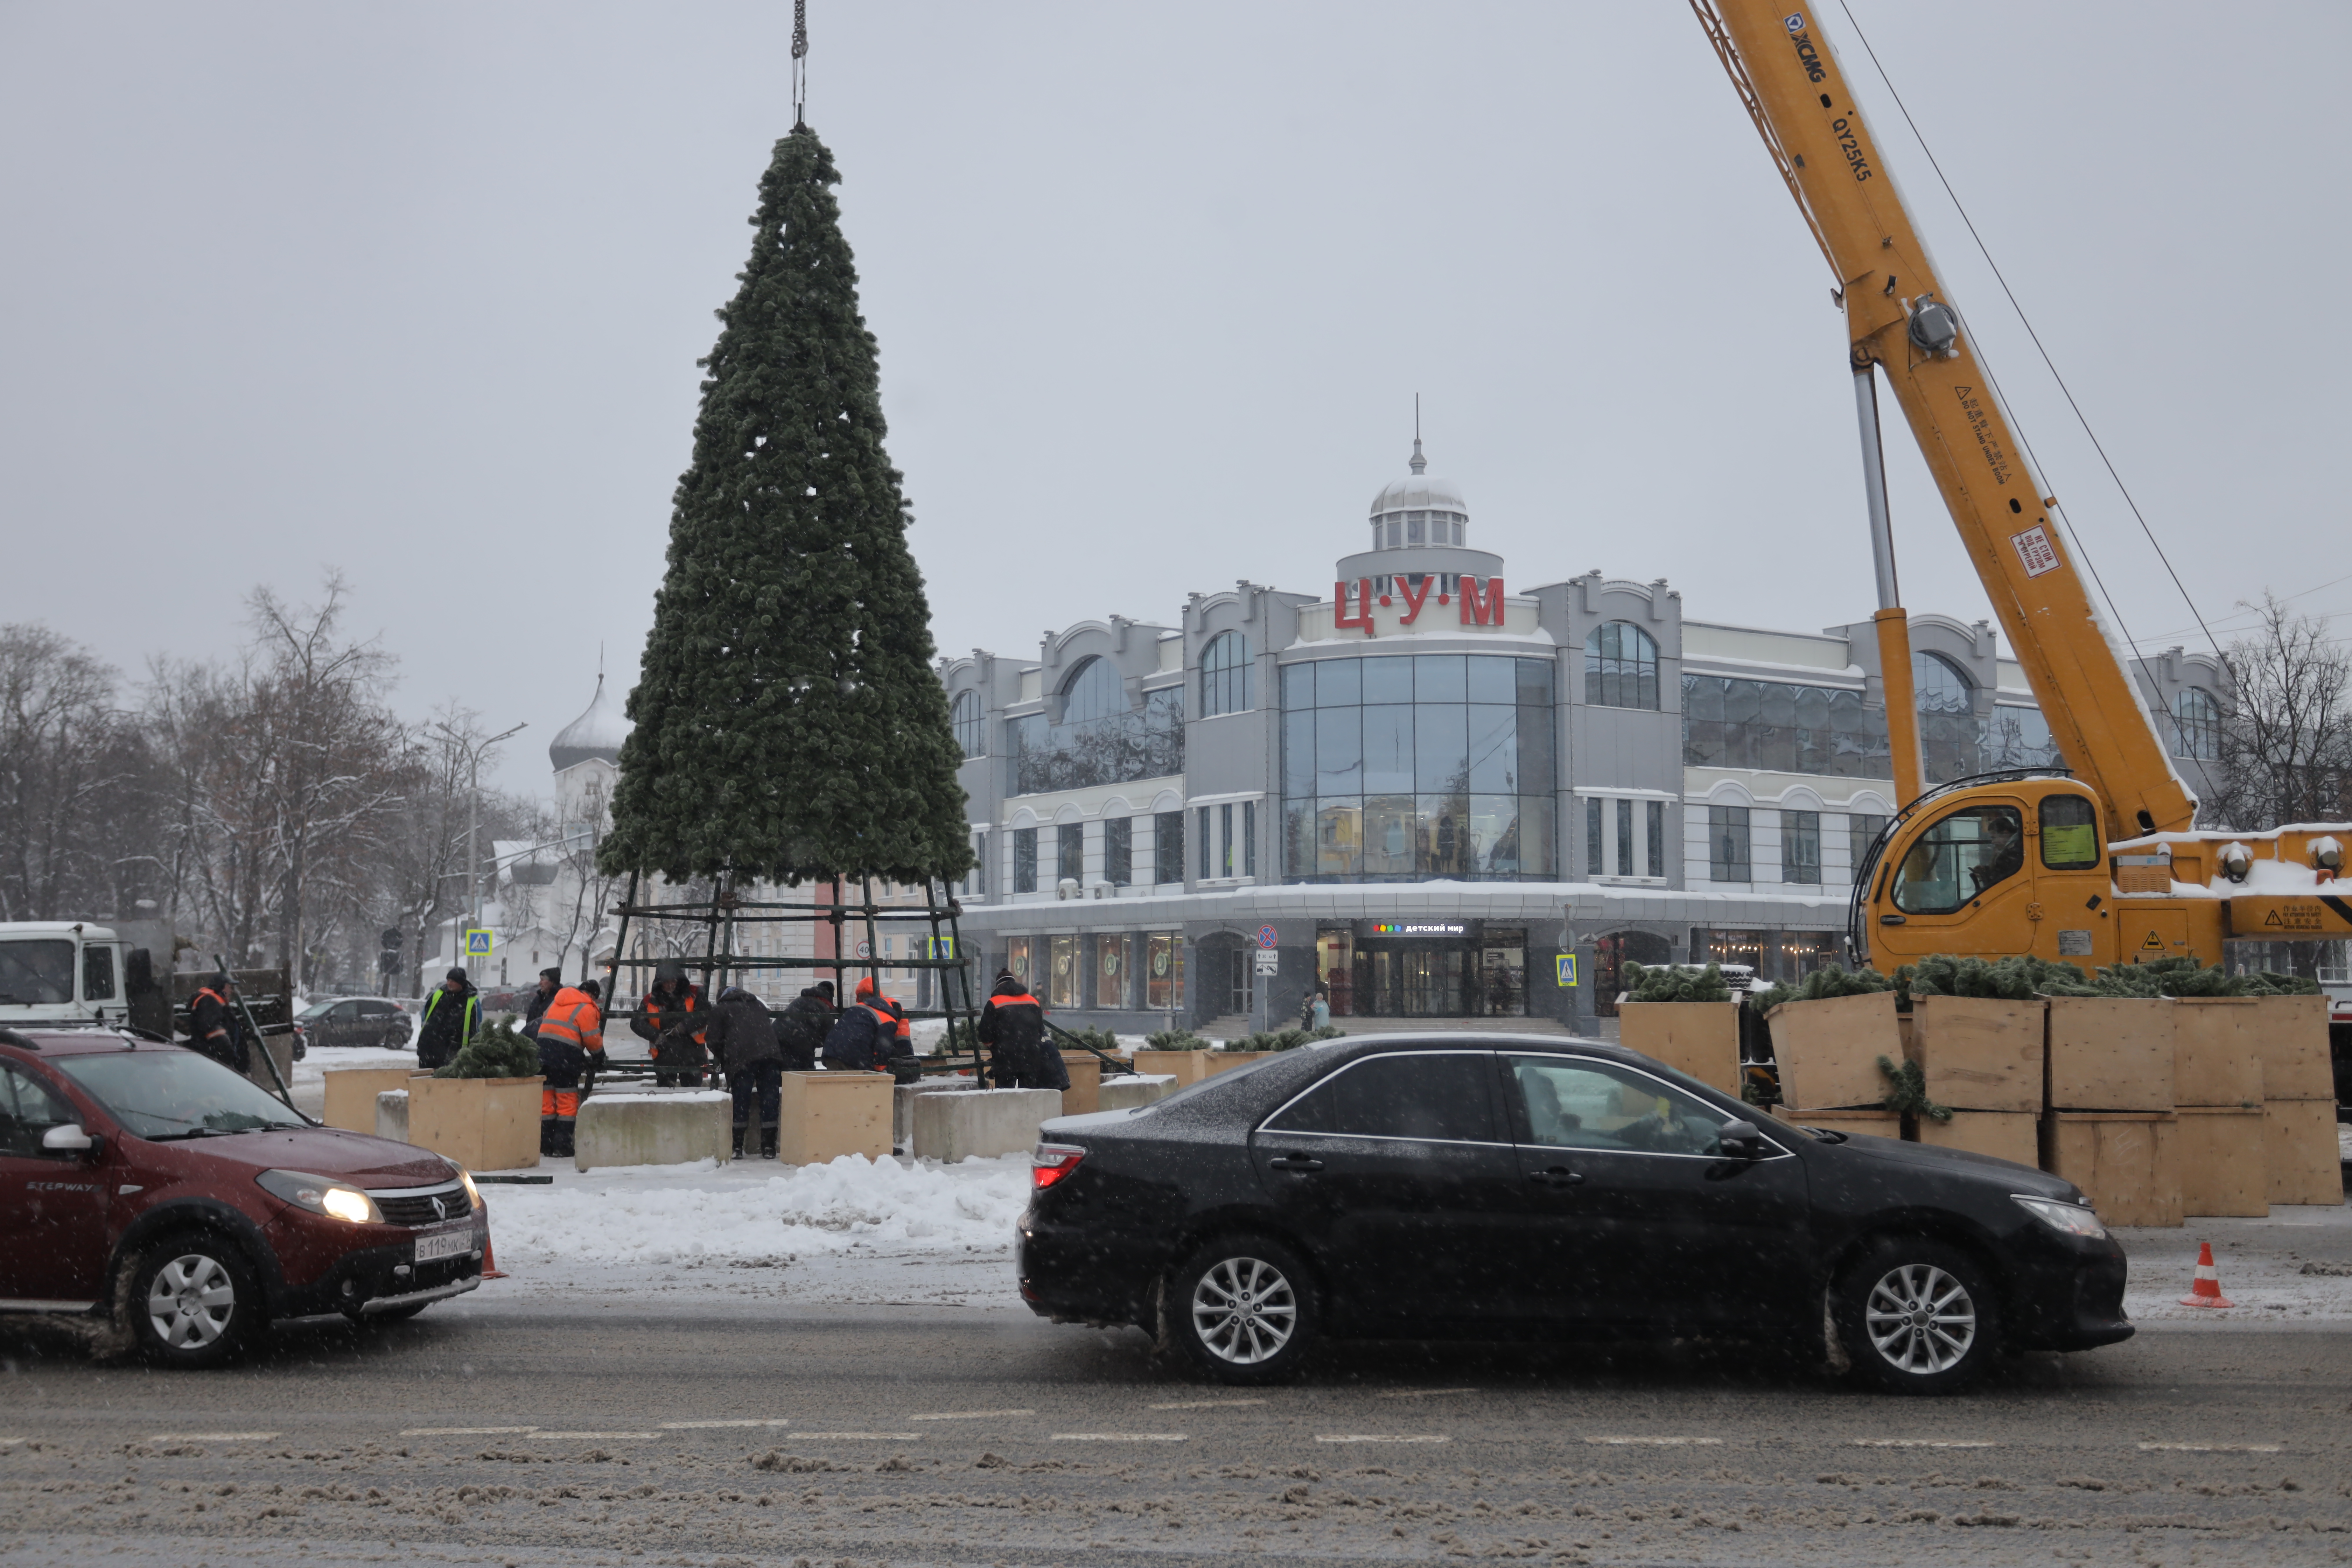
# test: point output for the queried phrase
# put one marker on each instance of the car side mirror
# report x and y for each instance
(67, 1137)
(1740, 1141)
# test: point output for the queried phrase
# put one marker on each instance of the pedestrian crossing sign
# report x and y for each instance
(1564, 968)
(477, 945)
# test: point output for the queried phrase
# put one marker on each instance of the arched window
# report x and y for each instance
(968, 723)
(1226, 672)
(2196, 724)
(1621, 666)
(1940, 686)
(1092, 691)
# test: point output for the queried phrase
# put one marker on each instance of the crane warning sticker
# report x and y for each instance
(2033, 548)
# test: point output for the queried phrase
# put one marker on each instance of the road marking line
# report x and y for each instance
(968, 1415)
(1657, 1442)
(212, 1436)
(466, 1431)
(2213, 1447)
(1921, 1443)
(589, 1437)
(1206, 1405)
(10, 1442)
(856, 1437)
(1119, 1437)
(704, 1426)
(1363, 1437)
(1422, 1393)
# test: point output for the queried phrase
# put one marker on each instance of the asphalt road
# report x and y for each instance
(530, 1434)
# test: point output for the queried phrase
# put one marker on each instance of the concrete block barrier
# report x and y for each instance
(1129, 1091)
(902, 1106)
(391, 1115)
(654, 1127)
(986, 1123)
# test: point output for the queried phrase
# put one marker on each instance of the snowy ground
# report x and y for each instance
(2262, 1264)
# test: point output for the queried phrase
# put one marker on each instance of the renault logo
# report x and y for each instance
(440, 1209)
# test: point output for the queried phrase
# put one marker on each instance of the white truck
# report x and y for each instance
(70, 972)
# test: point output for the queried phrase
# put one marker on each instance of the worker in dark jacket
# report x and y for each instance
(860, 1040)
(900, 1047)
(551, 980)
(671, 1018)
(742, 1039)
(453, 1015)
(1013, 1023)
(802, 1026)
(215, 1025)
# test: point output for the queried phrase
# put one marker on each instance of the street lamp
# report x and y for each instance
(474, 751)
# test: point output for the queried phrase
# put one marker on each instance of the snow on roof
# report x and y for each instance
(598, 733)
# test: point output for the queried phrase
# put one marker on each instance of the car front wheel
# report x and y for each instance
(194, 1303)
(1240, 1310)
(1918, 1317)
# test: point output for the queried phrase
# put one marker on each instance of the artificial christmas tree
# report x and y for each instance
(788, 722)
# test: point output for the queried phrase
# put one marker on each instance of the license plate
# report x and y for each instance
(447, 1244)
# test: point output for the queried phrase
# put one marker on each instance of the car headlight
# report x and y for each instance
(472, 1191)
(2075, 1219)
(321, 1195)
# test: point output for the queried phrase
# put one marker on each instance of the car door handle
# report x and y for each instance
(1295, 1163)
(1558, 1176)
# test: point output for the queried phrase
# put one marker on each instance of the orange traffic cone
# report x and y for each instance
(490, 1270)
(2207, 1291)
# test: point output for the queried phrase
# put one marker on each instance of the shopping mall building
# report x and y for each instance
(1427, 789)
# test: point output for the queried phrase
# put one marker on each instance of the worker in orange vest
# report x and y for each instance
(570, 1038)
(668, 1017)
(861, 1039)
(214, 1026)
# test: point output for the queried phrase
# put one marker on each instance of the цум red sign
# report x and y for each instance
(1478, 609)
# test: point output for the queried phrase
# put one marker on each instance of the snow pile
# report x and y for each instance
(686, 1214)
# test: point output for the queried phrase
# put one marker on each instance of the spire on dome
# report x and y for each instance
(1419, 465)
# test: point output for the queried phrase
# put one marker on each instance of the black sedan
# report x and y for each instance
(1496, 1186)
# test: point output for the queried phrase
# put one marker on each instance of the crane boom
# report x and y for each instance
(1899, 318)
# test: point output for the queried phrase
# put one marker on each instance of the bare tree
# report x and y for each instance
(73, 771)
(2286, 735)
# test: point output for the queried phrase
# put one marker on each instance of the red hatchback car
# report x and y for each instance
(144, 1181)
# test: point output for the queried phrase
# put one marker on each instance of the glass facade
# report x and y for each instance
(1100, 739)
(1404, 767)
(1780, 727)
(1621, 666)
(1226, 675)
(2196, 725)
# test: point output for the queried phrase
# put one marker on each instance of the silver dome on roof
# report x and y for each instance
(1422, 492)
(598, 733)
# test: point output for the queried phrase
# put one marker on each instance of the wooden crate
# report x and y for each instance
(1184, 1067)
(1856, 1123)
(2224, 1164)
(483, 1123)
(2123, 1160)
(2214, 1061)
(1085, 1094)
(352, 1091)
(2109, 1053)
(1701, 1038)
(1226, 1061)
(2004, 1134)
(1827, 1051)
(1979, 1053)
(2290, 1035)
(828, 1114)
(2306, 1162)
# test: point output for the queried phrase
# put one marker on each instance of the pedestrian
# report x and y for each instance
(551, 980)
(859, 1039)
(743, 1039)
(215, 1026)
(667, 1018)
(802, 1026)
(570, 1038)
(452, 1016)
(1013, 1023)
(1306, 1006)
(1319, 1006)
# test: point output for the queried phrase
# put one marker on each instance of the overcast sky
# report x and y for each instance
(415, 291)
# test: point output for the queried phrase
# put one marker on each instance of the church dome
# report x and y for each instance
(598, 733)
(1418, 510)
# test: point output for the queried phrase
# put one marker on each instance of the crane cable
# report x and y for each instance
(2080, 417)
(800, 64)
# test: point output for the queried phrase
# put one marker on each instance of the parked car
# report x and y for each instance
(356, 1021)
(123, 1157)
(1491, 1186)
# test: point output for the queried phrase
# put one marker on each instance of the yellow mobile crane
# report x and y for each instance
(2095, 863)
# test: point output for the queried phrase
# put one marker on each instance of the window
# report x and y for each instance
(1110, 971)
(1226, 675)
(1940, 686)
(1208, 866)
(1163, 968)
(1596, 816)
(970, 725)
(1119, 850)
(1729, 723)
(1959, 857)
(38, 972)
(1064, 973)
(1070, 852)
(1168, 847)
(1657, 861)
(1017, 950)
(1427, 1095)
(976, 882)
(1726, 844)
(1800, 846)
(2196, 724)
(1621, 666)
(1249, 838)
(1569, 1103)
(1100, 739)
(27, 1111)
(1863, 829)
(2070, 833)
(1024, 859)
(1625, 838)
(97, 974)
(1224, 841)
